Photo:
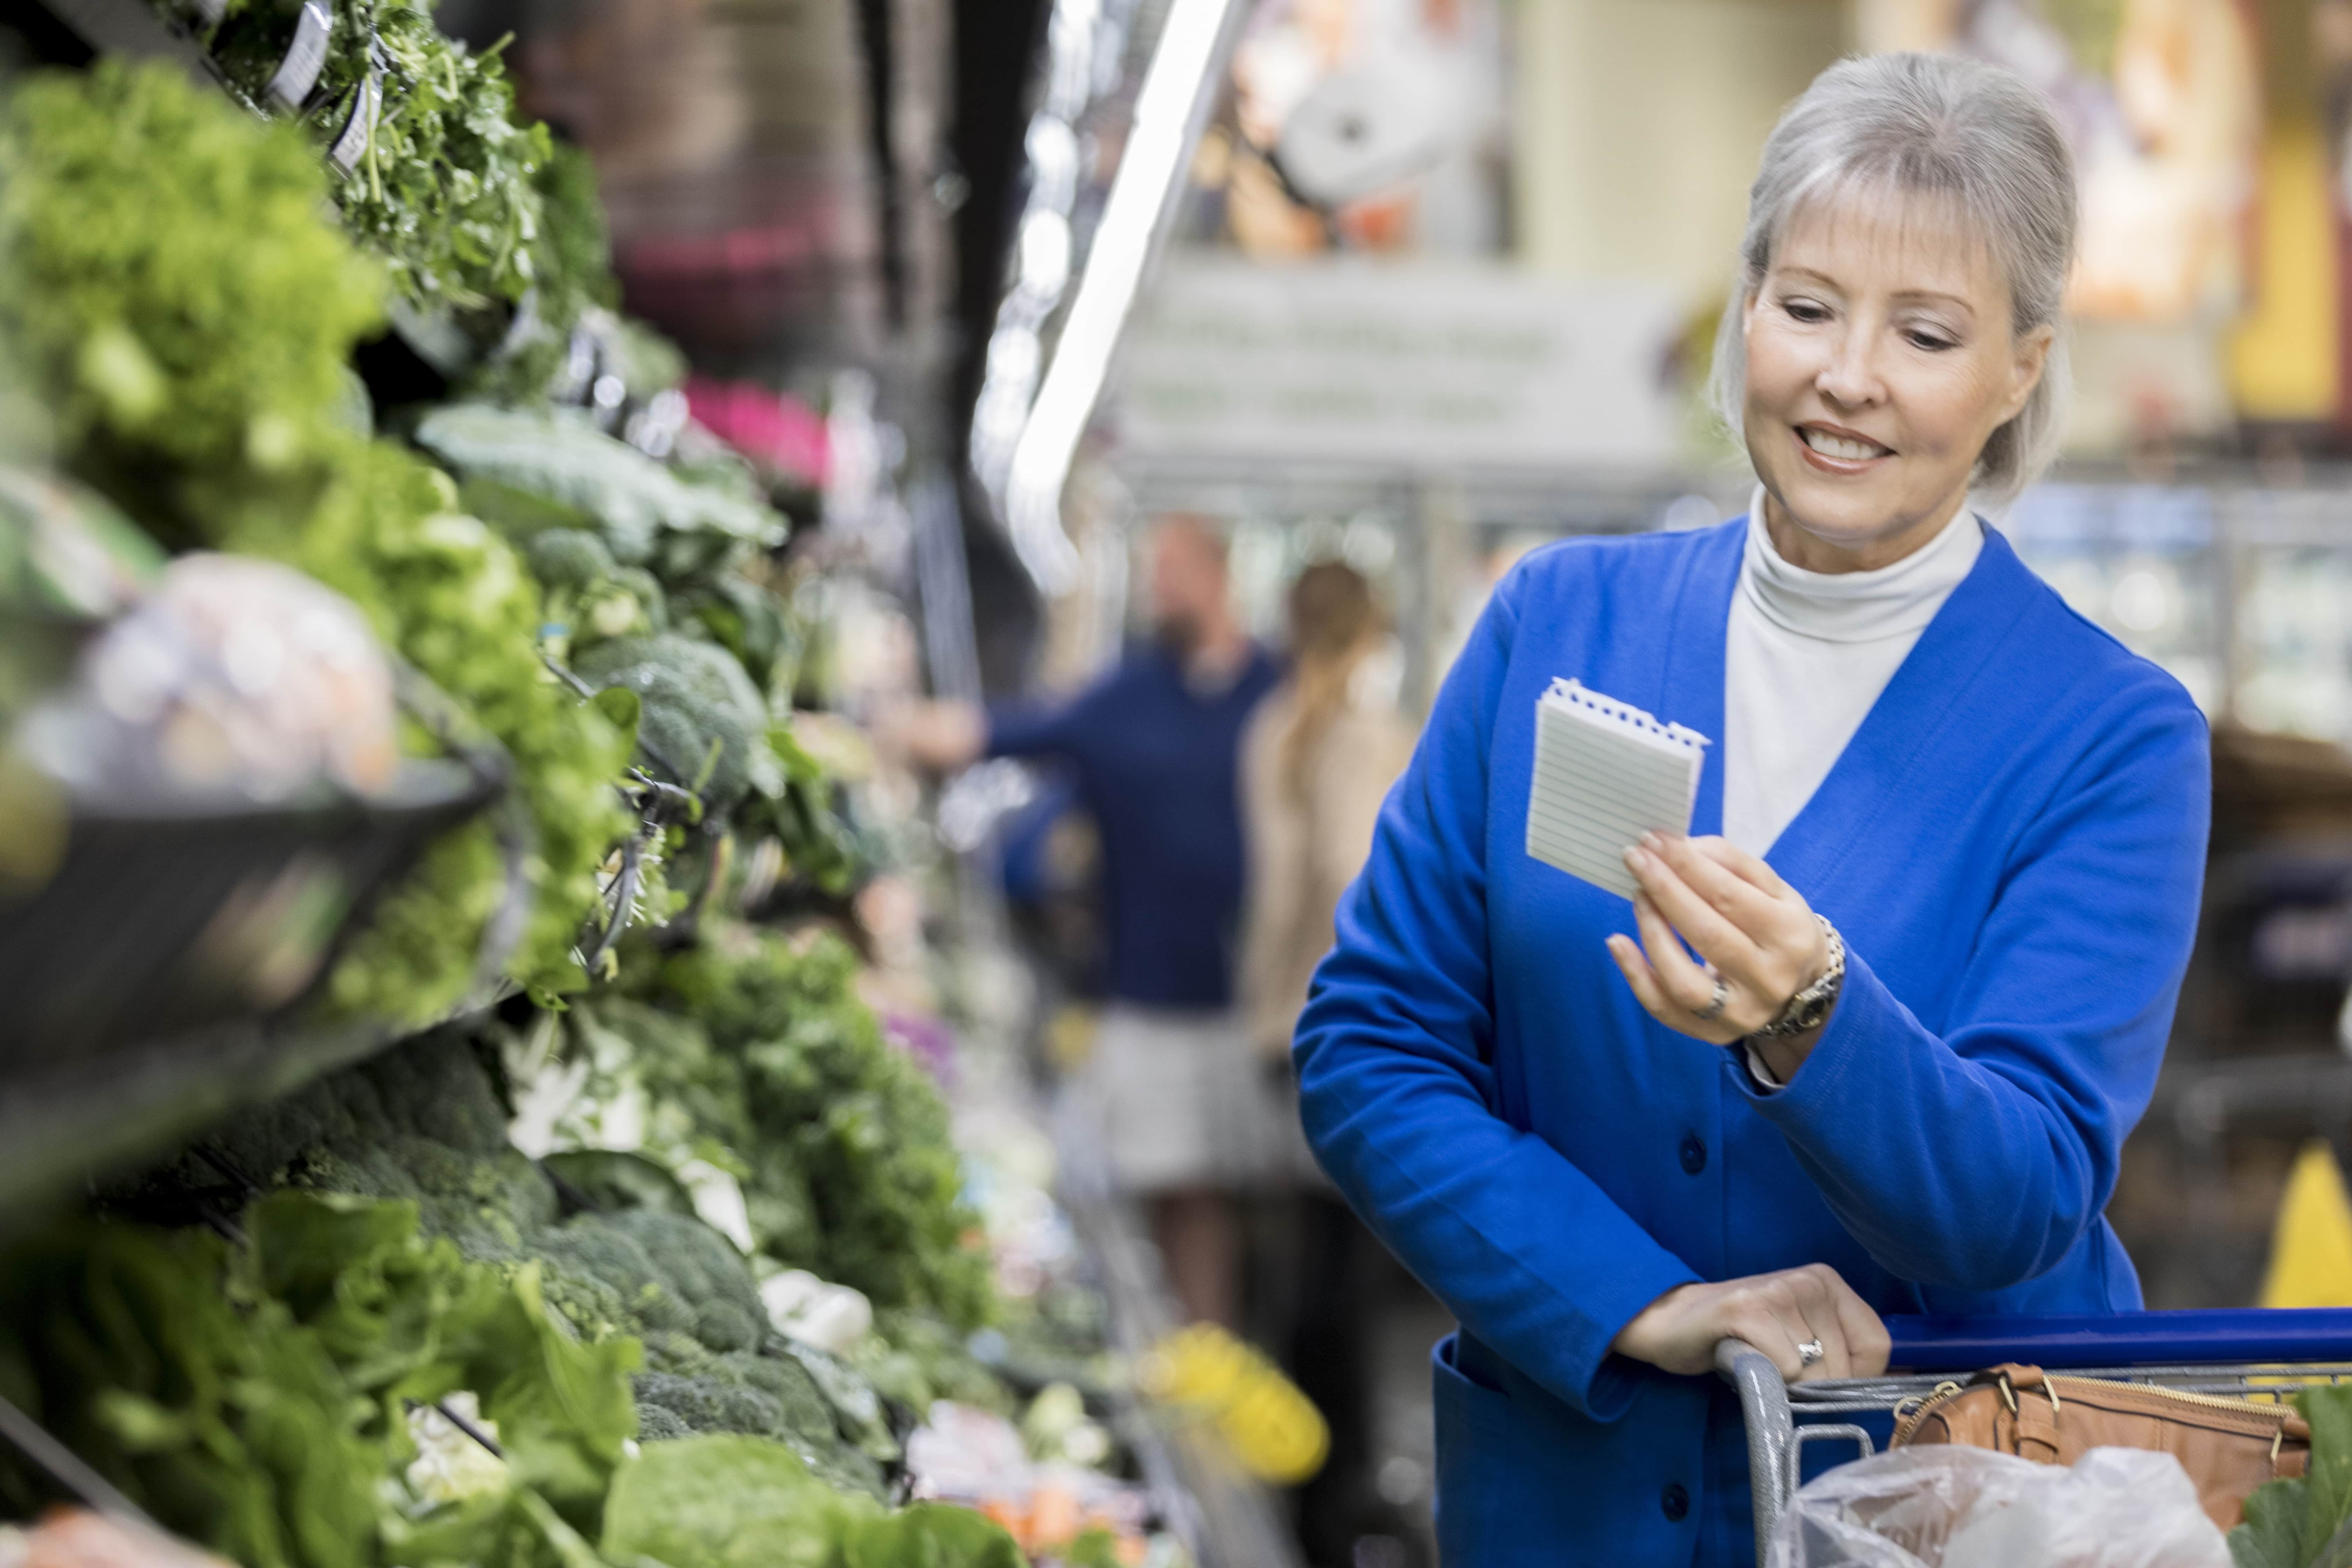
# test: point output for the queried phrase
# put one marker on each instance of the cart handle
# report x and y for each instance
(2264, 1336)
(1771, 1435)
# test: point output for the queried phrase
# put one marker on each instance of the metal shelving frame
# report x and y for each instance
(79, 1121)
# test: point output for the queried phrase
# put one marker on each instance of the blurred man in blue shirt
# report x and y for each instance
(1154, 745)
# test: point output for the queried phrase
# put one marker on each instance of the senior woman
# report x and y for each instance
(1872, 1042)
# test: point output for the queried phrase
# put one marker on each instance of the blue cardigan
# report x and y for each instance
(2012, 845)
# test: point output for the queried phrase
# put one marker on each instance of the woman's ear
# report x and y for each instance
(2026, 364)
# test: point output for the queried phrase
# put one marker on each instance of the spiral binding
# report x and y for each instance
(1577, 694)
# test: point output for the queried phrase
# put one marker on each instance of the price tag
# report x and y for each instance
(305, 57)
(350, 143)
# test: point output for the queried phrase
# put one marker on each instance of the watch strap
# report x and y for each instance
(1808, 1007)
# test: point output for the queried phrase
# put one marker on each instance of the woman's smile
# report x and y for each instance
(1834, 449)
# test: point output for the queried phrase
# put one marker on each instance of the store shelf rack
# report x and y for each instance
(127, 29)
(75, 1123)
(68, 1119)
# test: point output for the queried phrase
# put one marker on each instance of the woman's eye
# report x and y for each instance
(1934, 343)
(1806, 310)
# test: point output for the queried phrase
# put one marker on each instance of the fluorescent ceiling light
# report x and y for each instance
(1158, 145)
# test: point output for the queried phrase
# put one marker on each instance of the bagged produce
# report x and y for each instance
(1969, 1507)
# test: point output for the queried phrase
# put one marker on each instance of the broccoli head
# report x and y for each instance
(699, 1265)
(709, 1404)
(589, 1244)
(656, 1424)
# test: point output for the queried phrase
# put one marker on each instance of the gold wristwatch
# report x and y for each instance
(1808, 1007)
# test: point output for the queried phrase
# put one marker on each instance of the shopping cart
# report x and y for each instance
(2221, 1352)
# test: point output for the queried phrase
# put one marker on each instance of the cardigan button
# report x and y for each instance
(1694, 1153)
(1674, 1502)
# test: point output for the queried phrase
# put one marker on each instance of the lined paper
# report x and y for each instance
(1605, 774)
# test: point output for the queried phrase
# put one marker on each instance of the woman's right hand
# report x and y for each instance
(1775, 1312)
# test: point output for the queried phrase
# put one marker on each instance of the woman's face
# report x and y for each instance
(1880, 358)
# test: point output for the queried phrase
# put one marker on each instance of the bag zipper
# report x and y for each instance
(1944, 1393)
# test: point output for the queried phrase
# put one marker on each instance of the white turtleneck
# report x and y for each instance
(1806, 655)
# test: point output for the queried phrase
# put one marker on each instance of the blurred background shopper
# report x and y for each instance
(1944, 999)
(1318, 759)
(1154, 746)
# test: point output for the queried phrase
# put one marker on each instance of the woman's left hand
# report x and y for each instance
(1756, 933)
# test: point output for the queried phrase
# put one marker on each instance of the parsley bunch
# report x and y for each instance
(448, 192)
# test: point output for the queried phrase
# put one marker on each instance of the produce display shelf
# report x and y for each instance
(127, 29)
(79, 1121)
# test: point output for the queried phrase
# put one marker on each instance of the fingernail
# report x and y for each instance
(1635, 856)
(1652, 841)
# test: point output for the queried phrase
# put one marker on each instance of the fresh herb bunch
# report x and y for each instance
(173, 296)
(572, 267)
(449, 191)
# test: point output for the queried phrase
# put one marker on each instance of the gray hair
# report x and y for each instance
(1966, 132)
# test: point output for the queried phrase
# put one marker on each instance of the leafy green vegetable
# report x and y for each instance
(232, 1428)
(721, 1502)
(422, 1123)
(406, 1320)
(184, 306)
(737, 1502)
(177, 301)
(866, 1131)
(913, 1358)
(928, 1535)
(575, 251)
(2288, 1522)
(2277, 1514)
(449, 192)
(255, 1398)
(631, 500)
(704, 723)
(453, 598)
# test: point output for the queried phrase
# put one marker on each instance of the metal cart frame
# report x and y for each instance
(2221, 1352)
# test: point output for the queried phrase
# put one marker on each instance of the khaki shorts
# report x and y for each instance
(1183, 1100)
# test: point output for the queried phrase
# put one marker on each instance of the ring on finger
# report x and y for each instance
(1714, 1009)
(1810, 1352)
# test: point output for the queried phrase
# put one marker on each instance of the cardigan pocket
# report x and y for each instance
(1474, 1442)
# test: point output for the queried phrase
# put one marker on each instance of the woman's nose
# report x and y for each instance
(1851, 377)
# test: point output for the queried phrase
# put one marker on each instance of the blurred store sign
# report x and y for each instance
(1403, 365)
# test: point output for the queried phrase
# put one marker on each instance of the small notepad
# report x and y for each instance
(1606, 773)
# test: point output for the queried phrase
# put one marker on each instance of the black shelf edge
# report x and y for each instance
(130, 29)
(63, 1129)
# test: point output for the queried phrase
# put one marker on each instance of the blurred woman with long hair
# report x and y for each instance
(1318, 758)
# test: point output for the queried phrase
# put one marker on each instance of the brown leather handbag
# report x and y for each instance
(2229, 1447)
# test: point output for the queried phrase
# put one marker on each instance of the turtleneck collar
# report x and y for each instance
(1857, 606)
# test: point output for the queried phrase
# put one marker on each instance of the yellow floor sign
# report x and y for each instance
(2311, 1248)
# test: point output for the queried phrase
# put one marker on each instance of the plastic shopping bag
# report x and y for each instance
(1944, 1507)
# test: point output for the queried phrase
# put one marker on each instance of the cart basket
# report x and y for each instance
(2215, 1352)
